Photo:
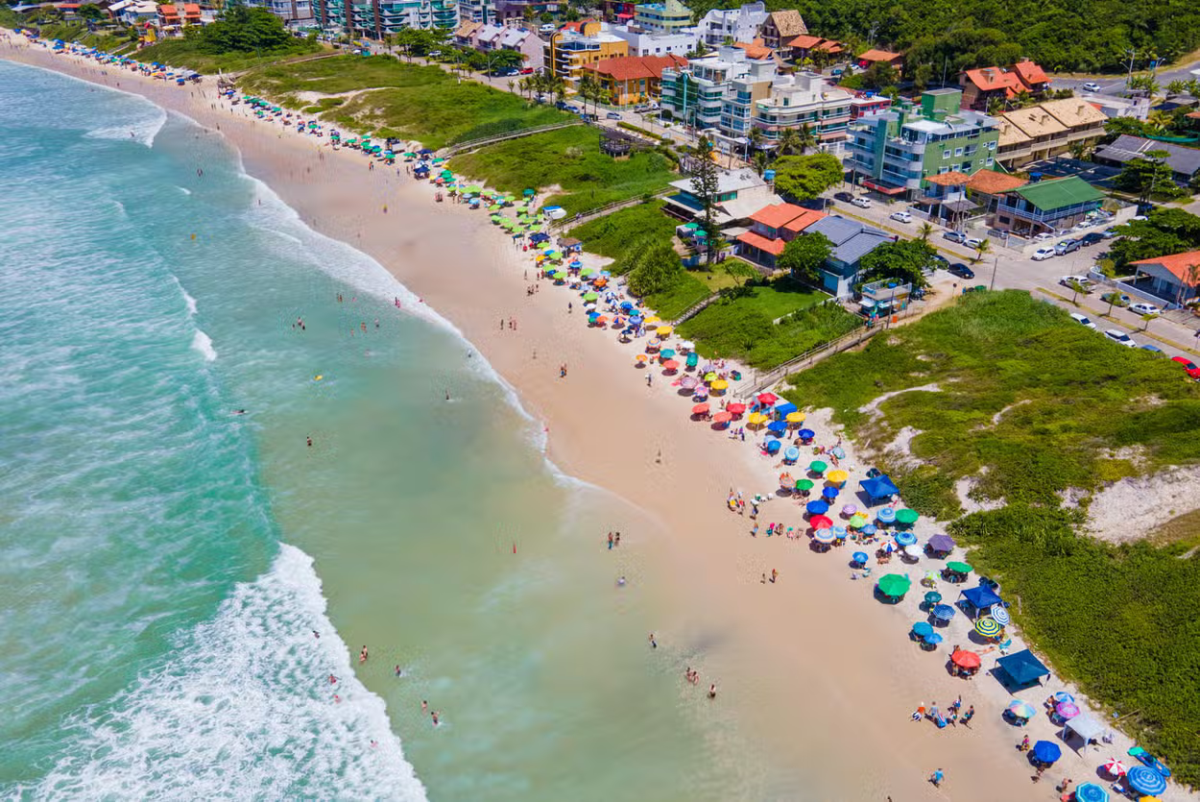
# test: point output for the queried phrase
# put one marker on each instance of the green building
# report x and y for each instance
(895, 151)
(668, 17)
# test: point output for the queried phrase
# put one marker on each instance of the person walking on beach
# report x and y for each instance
(653, 642)
(309, 440)
(617, 542)
(937, 777)
(970, 714)
(610, 541)
(774, 575)
(712, 691)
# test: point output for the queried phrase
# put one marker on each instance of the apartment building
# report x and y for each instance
(477, 11)
(568, 51)
(667, 17)
(1048, 129)
(805, 99)
(725, 25)
(380, 18)
(656, 43)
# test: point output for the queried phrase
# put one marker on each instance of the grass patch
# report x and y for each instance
(682, 296)
(613, 234)
(569, 158)
(743, 324)
(409, 100)
(728, 274)
(184, 53)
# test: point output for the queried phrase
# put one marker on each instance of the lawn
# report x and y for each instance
(183, 53)
(612, 234)
(570, 160)
(403, 100)
(766, 323)
(684, 294)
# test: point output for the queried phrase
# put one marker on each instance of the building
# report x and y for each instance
(568, 51)
(515, 10)
(477, 10)
(1047, 129)
(727, 25)
(191, 14)
(781, 27)
(292, 12)
(657, 43)
(619, 11)
(813, 48)
(987, 186)
(894, 151)
(1184, 162)
(851, 241)
(381, 18)
(871, 57)
(865, 103)
(136, 12)
(986, 85)
(1174, 278)
(630, 80)
(945, 198)
(1047, 206)
(168, 16)
(695, 94)
(1112, 106)
(772, 228)
(739, 195)
(488, 38)
(667, 17)
(804, 99)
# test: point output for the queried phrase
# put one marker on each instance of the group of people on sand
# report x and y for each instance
(953, 715)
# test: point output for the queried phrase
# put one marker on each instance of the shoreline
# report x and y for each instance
(818, 689)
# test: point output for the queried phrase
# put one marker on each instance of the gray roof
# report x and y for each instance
(1184, 161)
(726, 182)
(851, 240)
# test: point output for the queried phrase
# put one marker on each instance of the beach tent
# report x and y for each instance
(1023, 668)
(981, 597)
(1086, 727)
(941, 543)
(879, 489)
(783, 410)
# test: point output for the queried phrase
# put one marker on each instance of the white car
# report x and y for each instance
(1043, 237)
(1083, 281)
(903, 217)
(1083, 321)
(972, 243)
(1091, 86)
(1042, 254)
(862, 203)
(1120, 337)
(1145, 309)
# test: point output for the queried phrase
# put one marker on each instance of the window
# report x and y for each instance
(958, 151)
(990, 161)
(992, 145)
(945, 154)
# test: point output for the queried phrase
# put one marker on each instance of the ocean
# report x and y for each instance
(234, 453)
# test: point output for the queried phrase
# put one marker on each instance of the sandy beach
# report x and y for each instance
(811, 667)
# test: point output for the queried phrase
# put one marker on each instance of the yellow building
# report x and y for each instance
(579, 44)
(632, 79)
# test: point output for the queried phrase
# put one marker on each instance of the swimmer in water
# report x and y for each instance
(362, 656)
(621, 582)
(447, 395)
(239, 412)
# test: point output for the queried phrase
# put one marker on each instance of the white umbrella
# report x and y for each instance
(913, 551)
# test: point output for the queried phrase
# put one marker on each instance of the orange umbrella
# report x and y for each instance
(671, 364)
(601, 321)
(700, 409)
(964, 659)
(721, 417)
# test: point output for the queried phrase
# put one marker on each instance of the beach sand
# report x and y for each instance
(816, 671)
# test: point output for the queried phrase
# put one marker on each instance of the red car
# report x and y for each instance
(1188, 365)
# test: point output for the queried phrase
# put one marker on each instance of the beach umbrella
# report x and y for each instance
(987, 627)
(860, 557)
(1046, 752)
(640, 358)
(913, 552)
(933, 638)
(1146, 781)
(1114, 767)
(959, 568)
(816, 507)
(666, 353)
(921, 629)
(906, 538)
(816, 466)
(602, 320)
(529, 193)
(886, 515)
(964, 659)
(779, 427)
(806, 434)
(688, 382)
(837, 476)
(941, 543)
(722, 417)
(656, 319)
(943, 612)
(663, 331)
(773, 446)
(858, 521)
(767, 399)
(1090, 792)
(839, 532)
(894, 585)
(792, 454)
(1021, 709)
(736, 408)
(796, 417)
(1000, 614)
(906, 516)
(756, 419)
(933, 597)
(869, 529)
(849, 510)
(820, 522)
(719, 384)
(824, 536)
(692, 359)
(712, 377)
(700, 409)
(709, 368)
(829, 493)
(1063, 696)
(590, 296)
(587, 271)
(805, 484)
(1067, 710)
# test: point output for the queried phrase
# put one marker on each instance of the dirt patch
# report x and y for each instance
(1000, 415)
(964, 487)
(1134, 508)
(899, 451)
(872, 408)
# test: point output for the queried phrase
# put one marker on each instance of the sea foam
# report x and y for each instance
(203, 343)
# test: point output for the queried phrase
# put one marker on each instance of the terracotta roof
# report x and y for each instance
(467, 28)
(168, 10)
(879, 55)
(990, 182)
(777, 214)
(1176, 264)
(1030, 73)
(951, 179)
(1035, 121)
(755, 49)
(771, 246)
(802, 222)
(988, 79)
(191, 8)
(1074, 113)
(1194, 115)
(633, 68)
(788, 23)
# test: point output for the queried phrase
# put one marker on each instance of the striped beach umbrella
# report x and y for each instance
(943, 612)
(1090, 792)
(988, 628)
(824, 536)
(906, 538)
(1114, 767)
(1146, 781)
(1019, 708)
(1067, 710)
(1000, 613)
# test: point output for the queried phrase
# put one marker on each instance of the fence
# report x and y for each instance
(843, 343)
(471, 144)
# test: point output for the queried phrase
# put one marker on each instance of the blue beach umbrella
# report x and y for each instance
(1000, 615)
(933, 638)
(1090, 792)
(778, 427)
(906, 538)
(824, 536)
(860, 557)
(921, 629)
(839, 532)
(830, 493)
(1021, 709)
(1062, 696)
(943, 612)
(773, 446)
(806, 434)
(816, 507)
(1046, 752)
(1146, 781)
(870, 529)
(886, 515)
(792, 453)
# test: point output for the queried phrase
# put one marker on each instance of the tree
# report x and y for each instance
(760, 162)
(91, 11)
(589, 89)
(983, 248)
(1145, 83)
(906, 260)
(1147, 319)
(789, 141)
(804, 255)
(654, 267)
(879, 75)
(1077, 287)
(1148, 176)
(802, 178)
(925, 231)
(705, 181)
(1176, 88)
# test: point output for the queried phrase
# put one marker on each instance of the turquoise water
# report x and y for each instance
(178, 582)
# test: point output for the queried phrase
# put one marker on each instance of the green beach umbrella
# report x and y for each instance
(894, 585)
(529, 193)
(816, 466)
(410, 155)
(906, 516)
(804, 484)
(495, 207)
(496, 218)
(933, 597)
(438, 161)
(590, 296)
(587, 271)
(959, 568)
(474, 190)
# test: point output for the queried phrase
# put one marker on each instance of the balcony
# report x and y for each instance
(1047, 216)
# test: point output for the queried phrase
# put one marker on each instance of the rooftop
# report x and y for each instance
(851, 240)
(726, 182)
(777, 214)
(990, 182)
(632, 68)
(879, 55)
(789, 23)
(772, 246)
(1185, 161)
(1059, 193)
(1180, 265)
(1030, 72)
(951, 179)
(1073, 112)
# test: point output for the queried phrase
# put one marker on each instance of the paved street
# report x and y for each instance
(1115, 85)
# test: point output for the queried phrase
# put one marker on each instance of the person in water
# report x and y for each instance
(362, 656)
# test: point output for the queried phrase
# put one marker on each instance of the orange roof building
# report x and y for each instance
(773, 227)
(168, 15)
(1174, 278)
(951, 179)
(632, 79)
(985, 84)
(895, 60)
(990, 182)
(755, 50)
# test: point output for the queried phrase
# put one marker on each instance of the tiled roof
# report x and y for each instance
(772, 246)
(755, 49)
(191, 8)
(1011, 134)
(802, 222)
(788, 23)
(1185, 161)
(467, 28)
(168, 10)
(988, 79)
(1074, 113)
(777, 214)
(1178, 265)
(1035, 121)
(990, 182)
(951, 179)
(1030, 73)
(879, 55)
(633, 68)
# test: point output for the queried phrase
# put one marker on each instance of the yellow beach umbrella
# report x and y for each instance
(756, 419)
(796, 417)
(640, 358)
(719, 384)
(663, 331)
(652, 319)
(837, 476)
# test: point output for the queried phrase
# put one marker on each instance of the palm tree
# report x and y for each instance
(754, 141)
(1160, 120)
(789, 142)
(760, 162)
(925, 231)
(806, 139)
(982, 249)
(1146, 320)
(1076, 288)
(1176, 88)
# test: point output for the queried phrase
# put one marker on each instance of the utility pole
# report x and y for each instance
(1129, 78)
(995, 264)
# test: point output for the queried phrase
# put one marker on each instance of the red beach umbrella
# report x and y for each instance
(721, 417)
(767, 399)
(670, 364)
(820, 522)
(964, 659)
(700, 409)
(735, 409)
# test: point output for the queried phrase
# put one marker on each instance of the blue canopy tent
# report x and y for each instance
(1023, 668)
(879, 489)
(783, 410)
(981, 597)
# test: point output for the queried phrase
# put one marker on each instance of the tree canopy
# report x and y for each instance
(1166, 231)
(805, 177)
(653, 266)
(904, 259)
(244, 30)
(804, 256)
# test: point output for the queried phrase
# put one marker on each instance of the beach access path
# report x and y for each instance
(816, 671)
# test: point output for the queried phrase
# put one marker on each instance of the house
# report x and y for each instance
(893, 60)
(1048, 129)
(945, 197)
(805, 100)
(739, 195)
(755, 50)
(723, 25)
(807, 46)
(191, 14)
(1112, 106)
(1046, 206)
(168, 16)
(631, 79)
(515, 10)
(298, 12)
(464, 35)
(656, 43)
(565, 55)
(620, 11)
(781, 27)
(138, 11)
(851, 242)
(986, 187)
(865, 103)
(772, 227)
(1184, 162)
(986, 84)
(1174, 278)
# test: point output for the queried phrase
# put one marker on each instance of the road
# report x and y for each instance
(1115, 85)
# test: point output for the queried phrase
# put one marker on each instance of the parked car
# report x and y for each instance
(1154, 349)
(973, 243)
(1120, 337)
(939, 261)
(1045, 235)
(1083, 281)
(1091, 86)
(547, 28)
(861, 202)
(527, 71)
(1115, 298)
(1083, 320)
(844, 197)
(836, 71)
(961, 270)
(1066, 246)
(901, 216)
(1189, 367)
(1087, 240)
(1041, 254)
(1145, 309)
(612, 115)
(953, 236)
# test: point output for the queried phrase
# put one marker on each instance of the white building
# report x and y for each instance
(732, 24)
(805, 99)
(477, 10)
(649, 43)
(296, 12)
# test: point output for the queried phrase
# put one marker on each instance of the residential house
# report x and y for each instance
(986, 187)
(667, 17)
(986, 84)
(1047, 129)
(865, 103)
(725, 25)
(630, 80)
(755, 50)
(894, 151)
(1184, 162)
(656, 43)
(772, 228)
(487, 38)
(945, 198)
(893, 60)
(568, 51)
(696, 93)
(808, 47)
(1112, 106)
(381, 18)
(781, 27)
(803, 99)
(168, 16)
(464, 35)
(851, 241)
(191, 14)
(739, 195)
(619, 11)
(293, 12)
(138, 12)
(1174, 278)
(1048, 206)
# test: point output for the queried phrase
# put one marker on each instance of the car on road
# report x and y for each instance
(1115, 298)
(939, 261)
(972, 243)
(1189, 367)
(1091, 86)
(844, 197)
(1082, 281)
(527, 71)
(1109, 233)
(1042, 254)
(862, 203)
(613, 115)
(901, 216)
(1154, 349)
(1120, 337)
(547, 28)
(1088, 240)
(1083, 320)
(1144, 309)
(953, 236)
(961, 270)
(1045, 235)
(1066, 246)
